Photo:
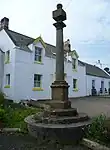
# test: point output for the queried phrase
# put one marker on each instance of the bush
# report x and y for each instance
(1, 99)
(97, 130)
(16, 116)
(2, 115)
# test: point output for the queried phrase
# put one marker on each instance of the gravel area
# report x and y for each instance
(25, 142)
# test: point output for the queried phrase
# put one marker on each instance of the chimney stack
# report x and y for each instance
(4, 23)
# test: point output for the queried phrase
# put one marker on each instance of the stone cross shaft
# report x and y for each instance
(59, 16)
(60, 86)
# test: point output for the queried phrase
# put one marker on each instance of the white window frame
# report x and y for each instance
(7, 56)
(37, 82)
(7, 79)
(73, 63)
(75, 83)
(38, 54)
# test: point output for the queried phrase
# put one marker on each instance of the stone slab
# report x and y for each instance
(60, 104)
(63, 112)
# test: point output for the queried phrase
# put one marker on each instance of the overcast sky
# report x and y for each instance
(88, 24)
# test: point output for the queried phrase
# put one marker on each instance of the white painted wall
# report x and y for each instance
(97, 83)
(80, 75)
(25, 68)
(1, 69)
(22, 69)
(6, 44)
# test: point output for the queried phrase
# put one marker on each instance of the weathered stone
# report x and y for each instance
(59, 121)
(66, 119)
(94, 145)
(64, 133)
(59, 14)
(60, 90)
(60, 104)
(63, 112)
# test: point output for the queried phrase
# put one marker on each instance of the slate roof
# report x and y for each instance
(81, 63)
(50, 50)
(23, 41)
(95, 71)
(20, 40)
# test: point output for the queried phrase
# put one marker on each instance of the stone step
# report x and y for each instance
(63, 112)
(60, 104)
(66, 120)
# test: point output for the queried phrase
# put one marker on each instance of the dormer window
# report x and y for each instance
(38, 54)
(73, 63)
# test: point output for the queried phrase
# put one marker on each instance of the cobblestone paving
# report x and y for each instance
(20, 142)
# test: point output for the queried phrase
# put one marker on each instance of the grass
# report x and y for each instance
(99, 130)
(15, 115)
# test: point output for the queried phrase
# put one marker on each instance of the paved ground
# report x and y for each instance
(18, 142)
(93, 106)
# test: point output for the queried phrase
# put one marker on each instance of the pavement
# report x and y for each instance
(93, 106)
(25, 142)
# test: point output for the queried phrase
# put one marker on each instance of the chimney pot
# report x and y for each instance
(4, 23)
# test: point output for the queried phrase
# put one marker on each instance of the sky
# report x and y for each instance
(88, 24)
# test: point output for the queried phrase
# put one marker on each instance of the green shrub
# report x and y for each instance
(16, 116)
(1, 99)
(2, 115)
(97, 129)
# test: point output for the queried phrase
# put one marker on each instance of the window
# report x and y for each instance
(108, 84)
(93, 83)
(37, 80)
(73, 63)
(74, 83)
(38, 54)
(7, 56)
(7, 79)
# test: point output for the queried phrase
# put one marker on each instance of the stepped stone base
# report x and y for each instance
(63, 112)
(65, 119)
(60, 104)
(58, 121)
(63, 133)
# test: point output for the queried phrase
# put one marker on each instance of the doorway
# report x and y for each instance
(102, 86)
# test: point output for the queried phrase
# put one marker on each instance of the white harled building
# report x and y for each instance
(27, 68)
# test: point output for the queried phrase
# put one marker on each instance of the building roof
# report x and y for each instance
(20, 40)
(50, 50)
(81, 63)
(95, 71)
(23, 41)
(1, 50)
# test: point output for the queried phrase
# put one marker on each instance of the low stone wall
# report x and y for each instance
(65, 133)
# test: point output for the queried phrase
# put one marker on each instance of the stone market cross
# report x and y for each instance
(60, 86)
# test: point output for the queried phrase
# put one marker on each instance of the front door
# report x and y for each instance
(93, 84)
(102, 86)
